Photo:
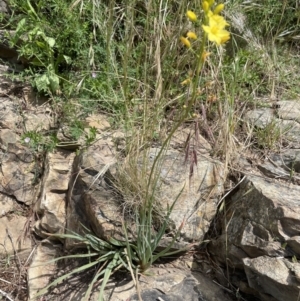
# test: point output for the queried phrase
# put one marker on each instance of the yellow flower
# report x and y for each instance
(219, 20)
(210, 2)
(218, 8)
(216, 33)
(191, 15)
(225, 37)
(185, 41)
(191, 35)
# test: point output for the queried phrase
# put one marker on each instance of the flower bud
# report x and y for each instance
(185, 41)
(218, 8)
(191, 35)
(191, 15)
(205, 6)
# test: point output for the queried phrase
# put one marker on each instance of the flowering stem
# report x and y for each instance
(200, 63)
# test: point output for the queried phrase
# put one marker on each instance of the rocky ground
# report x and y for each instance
(249, 218)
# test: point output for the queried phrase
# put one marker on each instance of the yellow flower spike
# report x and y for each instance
(205, 6)
(218, 8)
(191, 16)
(185, 42)
(191, 35)
(210, 2)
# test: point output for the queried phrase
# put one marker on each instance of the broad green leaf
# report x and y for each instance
(54, 82)
(67, 59)
(21, 25)
(50, 41)
(42, 83)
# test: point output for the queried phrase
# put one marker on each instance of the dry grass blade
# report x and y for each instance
(187, 148)
(6, 295)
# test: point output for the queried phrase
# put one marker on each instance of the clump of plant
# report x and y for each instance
(60, 44)
(273, 19)
(139, 250)
(203, 86)
(271, 135)
(112, 255)
(38, 142)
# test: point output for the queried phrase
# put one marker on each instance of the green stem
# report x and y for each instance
(200, 63)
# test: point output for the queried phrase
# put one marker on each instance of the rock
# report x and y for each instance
(260, 117)
(260, 220)
(262, 227)
(181, 137)
(97, 121)
(90, 199)
(7, 137)
(273, 276)
(288, 159)
(197, 194)
(3, 7)
(93, 194)
(40, 270)
(51, 205)
(36, 122)
(209, 290)
(284, 165)
(12, 237)
(168, 284)
(272, 170)
(9, 116)
(18, 173)
(289, 110)
(6, 204)
(294, 244)
(290, 130)
(282, 122)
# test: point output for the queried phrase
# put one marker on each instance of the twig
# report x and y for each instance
(138, 289)
(225, 195)
(134, 278)
(130, 267)
(1, 279)
(6, 295)
(228, 290)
